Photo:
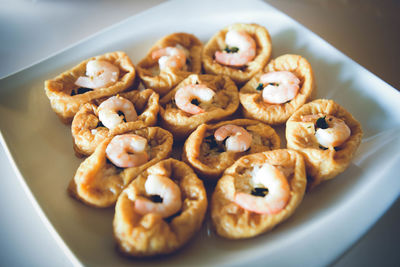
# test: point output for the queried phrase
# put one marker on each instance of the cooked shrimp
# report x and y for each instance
(242, 49)
(269, 177)
(279, 86)
(127, 150)
(335, 132)
(100, 73)
(108, 111)
(170, 57)
(165, 188)
(186, 94)
(239, 139)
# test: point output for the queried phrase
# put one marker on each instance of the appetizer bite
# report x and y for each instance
(197, 99)
(239, 51)
(212, 148)
(169, 61)
(94, 78)
(327, 135)
(107, 117)
(258, 192)
(276, 92)
(160, 210)
(116, 162)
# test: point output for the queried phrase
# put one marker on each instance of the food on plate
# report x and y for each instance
(160, 202)
(327, 135)
(212, 148)
(197, 99)
(117, 161)
(169, 61)
(94, 78)
(258, 192)
(239, 51)
(160, 210)
(106, 117)
(277, 91)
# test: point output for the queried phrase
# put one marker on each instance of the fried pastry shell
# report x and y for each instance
(149, 235)
(61, 90)
(163, 81)
(224, 103)
(322, 164)
(239, 75)
(88, 133)
(255, 107)
(209, 163)
(98, 182)
(232, 221)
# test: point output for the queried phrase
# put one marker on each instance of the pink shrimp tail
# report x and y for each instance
(235, 59)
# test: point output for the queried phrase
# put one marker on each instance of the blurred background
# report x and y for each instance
(367, 31)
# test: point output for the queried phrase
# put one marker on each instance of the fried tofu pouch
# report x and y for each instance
(209, 158)
(234, 222)
(239, 75)
(98, 182)
(162, 81)
(251, 99)
(223, 104)
(322, 163)
(66, 98)
(150, 234)
(88, 131)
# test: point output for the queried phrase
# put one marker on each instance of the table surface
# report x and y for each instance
(365, 30)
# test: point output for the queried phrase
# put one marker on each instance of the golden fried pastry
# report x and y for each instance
(198, 99)
(107, 117)
(258, 192)
(239, 51)
(327, 135)
(169, 61)
(160, 210)
(212, 148)
(276, 92)
(94, 78)
(116, 162)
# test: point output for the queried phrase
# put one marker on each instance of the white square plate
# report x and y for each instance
(330, 219)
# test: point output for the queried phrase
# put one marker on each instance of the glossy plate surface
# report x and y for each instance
(329, 220)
